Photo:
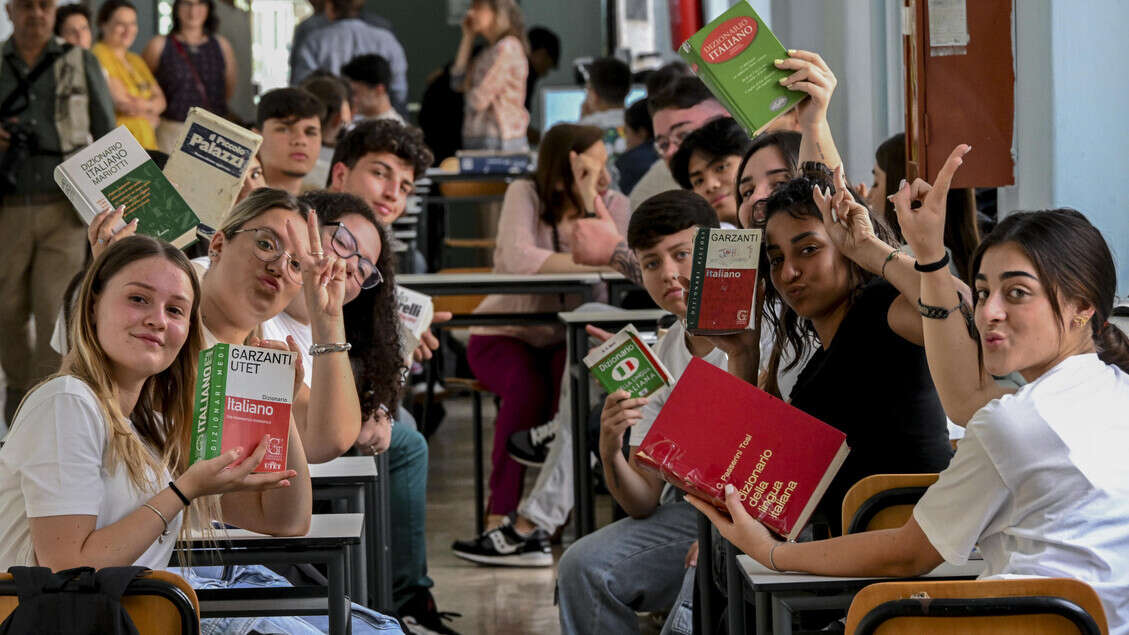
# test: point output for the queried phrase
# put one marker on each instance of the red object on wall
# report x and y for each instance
(685, 20)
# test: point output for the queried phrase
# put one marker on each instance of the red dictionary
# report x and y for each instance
(717, 430)
(723, 281)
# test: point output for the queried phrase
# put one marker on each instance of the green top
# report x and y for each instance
(35, 176)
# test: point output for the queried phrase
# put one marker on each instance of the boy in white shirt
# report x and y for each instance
(637, 563)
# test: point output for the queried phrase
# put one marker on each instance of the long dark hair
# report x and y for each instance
(553, 178)
(211, 23)
(789, 145)
(793, 334)
(371, 319)
(1073, 262)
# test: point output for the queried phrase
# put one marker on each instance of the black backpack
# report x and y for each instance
(71, 602)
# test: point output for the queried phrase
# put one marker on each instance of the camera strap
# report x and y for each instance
(24, 83)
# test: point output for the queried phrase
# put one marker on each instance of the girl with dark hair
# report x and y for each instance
(494, 82)
(707, 162)
(194, 65)
(523, 365)
(1038, 482)
(771, 159)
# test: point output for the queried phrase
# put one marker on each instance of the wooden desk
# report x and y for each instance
(327, 542)
(575, 321)
(352, 483)
(779, 596)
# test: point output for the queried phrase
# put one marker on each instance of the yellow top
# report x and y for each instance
(138, 81)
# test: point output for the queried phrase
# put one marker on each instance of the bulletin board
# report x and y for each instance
(960, 88)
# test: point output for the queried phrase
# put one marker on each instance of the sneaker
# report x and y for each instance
(505, 547)
(421, 616)
(531, 447)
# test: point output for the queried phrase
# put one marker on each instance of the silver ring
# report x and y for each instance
(101, 241)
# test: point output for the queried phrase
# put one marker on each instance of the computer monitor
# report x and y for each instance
(561, 104)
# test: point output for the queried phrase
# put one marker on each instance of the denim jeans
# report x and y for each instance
(255, 576)
(630, 565)
(407, 467)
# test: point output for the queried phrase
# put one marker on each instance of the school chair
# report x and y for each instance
(883, 501)
(158, 602)
(1028, 606)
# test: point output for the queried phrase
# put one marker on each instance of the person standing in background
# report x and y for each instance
(369, 77)
(345, 37)
(494, 83)
(544, 56)
(53, 101)
(194, 66)
(138, 100)
(72, 23)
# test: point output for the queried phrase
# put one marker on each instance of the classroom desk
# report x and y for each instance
(618, 287)
(327, 542)
(779, 596)
(575, 321)
(352, 482)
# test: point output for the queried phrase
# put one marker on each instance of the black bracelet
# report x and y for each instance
(933, 266)
(179, 494)
(936, 312)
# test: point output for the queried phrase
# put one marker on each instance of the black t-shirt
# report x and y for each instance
(875, 386)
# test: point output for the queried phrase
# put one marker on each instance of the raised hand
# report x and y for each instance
(595, 239)
(921, 209)
(811, 76)
(323, 275)
(231, 472)
(586, 173)
(847, 222)
(102, 234)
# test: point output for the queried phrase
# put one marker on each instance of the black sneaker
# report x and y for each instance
(422, 617)
(531, 447)
(503, 546)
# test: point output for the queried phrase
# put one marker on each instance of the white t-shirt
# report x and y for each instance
(281, 325)
(53, 463)
(1041, 483)
(675, 355)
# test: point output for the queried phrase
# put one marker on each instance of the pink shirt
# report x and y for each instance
(524, 242)
(495, 97)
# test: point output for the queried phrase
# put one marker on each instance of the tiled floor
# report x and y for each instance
(492, 600)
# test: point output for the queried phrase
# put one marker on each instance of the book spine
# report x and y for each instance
(217, 399)
(697, 278)
(200, 407)
(85, 208)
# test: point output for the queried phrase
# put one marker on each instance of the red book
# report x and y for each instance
(717, 430)
(723, 281)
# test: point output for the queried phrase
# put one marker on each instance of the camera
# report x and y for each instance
(22, 143)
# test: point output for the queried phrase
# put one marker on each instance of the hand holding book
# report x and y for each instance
(107, 228)
(232, 472)
(738, 527)
(811, 75)
(620, 412)
(290, 345)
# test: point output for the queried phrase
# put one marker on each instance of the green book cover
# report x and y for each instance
(734, 56)
(208, 406)
(115, 170)
(625, 362)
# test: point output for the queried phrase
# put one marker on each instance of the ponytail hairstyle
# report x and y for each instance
(1074, 263)
(157, 434)
(793, 334)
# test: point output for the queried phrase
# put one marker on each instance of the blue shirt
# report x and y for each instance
(332, 46)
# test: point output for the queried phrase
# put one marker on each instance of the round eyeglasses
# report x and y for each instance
(344, 244)
(268, 248)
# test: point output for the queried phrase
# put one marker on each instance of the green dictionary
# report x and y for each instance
(115, 170)
(734, 56)
(624, 362)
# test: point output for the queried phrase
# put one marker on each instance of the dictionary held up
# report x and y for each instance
(625, 362)
(734, 56)
(242, 393)
(115, 170)
(717, 430)
(723, 281)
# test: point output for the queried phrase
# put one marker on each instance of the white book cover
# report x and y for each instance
(209, 162)
(416, 311)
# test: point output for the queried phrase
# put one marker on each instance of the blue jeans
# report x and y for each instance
(630, 565)
(407, 466)
(253, 577)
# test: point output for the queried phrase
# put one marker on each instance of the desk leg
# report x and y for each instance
(735, 589)
(479, 468)
(582, 472)
(338, 601)
(706, 595)
(764, 612)
(384, 534)
(373, 553)
(781, 617)
(359, 558)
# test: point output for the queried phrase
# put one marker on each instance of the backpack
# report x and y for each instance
(72, 602)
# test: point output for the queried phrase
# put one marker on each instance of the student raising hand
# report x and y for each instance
(323, 275)
(921, 208)
(847, 221)
(812, 75)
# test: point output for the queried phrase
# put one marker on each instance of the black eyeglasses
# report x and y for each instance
(344, 244)
(268, 248)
